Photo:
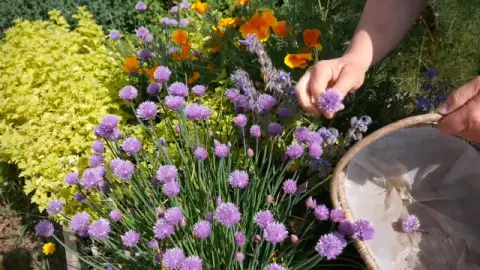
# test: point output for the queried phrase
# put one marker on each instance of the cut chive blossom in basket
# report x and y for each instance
(410, 224)
(330, 102)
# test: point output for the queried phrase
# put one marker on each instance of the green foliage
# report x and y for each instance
(55, 85)
(111, 14)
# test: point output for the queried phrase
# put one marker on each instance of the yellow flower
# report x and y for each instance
(259, 25)
(180, 37)
(48, 248)
(298, 60)
(243, 2)
(229, 22)
(194, 78)
(199, 7)
(280, 29)
(131, 65)
(310, 38)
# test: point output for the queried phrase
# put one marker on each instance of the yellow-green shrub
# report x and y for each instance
(55, 85)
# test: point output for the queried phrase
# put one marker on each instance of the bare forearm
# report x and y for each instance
(382, 25)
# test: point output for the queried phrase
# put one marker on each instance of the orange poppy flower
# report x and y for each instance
(180, 37)
(243, 2)
(218, 31)
(149, 72)
(199, 7)
(259, 25)
(298, 60)
(194, 78)
(131, 65)
(229, 22)
(280, 29)
(310, 38)
(184, 54)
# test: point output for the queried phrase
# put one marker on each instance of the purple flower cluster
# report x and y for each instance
(79, 197)
(123, 169)
(331, 245)
(163, 229)
(274, 129)
(128, 93)
(99, 229)
(275, 266)
(256, 131)
(363, 230)
(183, 22)
(227, 214)
(410, 224)
(178, 89)
(44, 228)
(114, 35)
(108, 128)
(98, 146)
(295, 151)
(192, 263)
(240, 239)
(290, 186)
(147, 110)
(330, 102)
(174, 102)
(199, 90)
(275, 232)
(202, 229)
(95, 160)
(265, 103)
(153, 89)
(240, 120)
(174, 215)
(144, 34)
(221, 150)
(171, 189)
(263, 218)
(337, 215)
(167, 173)
(321, 212)
(54, 207)
(131, 145)
(197, 112)
(168, 21)
(91, 178)
(239, 179)
(130, 238)
(141, 6)
(200, 153)
(71, 178)
(162, 74)
(115, 215)
(173, 258)
(79, 223)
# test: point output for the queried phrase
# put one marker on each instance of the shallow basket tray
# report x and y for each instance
(337, 188)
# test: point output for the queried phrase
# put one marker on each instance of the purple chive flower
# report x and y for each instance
(98, 146)
(239, 179)
(107, 127)
(241, 101)
(363, 230)
(169, 21)
(221, 150)
(192, 263)
(54, 207)
(141, 6)
(274, 129)
(99, 229)
(115, 215)
(240, 239)
(171, 189)
(153, 89)
(142, 32)
(130, 238)
(263, 218)
(173, 258)
(321, 212)
(44, 228)
(174, 10)
(410, 224)
(153, 244)
(346, 227)
(283, 112)
(79, 223)
(275, 232)
(301, 134)
(79, 197)
(174, 102)
(199, 90)
(95, 160)
(162, 74)
(178, 89)
(115, 163)
(183, 23)
(315, 150)
(275, 266)
(239, 256)
(148, 38)
(205, 112)
(131, 145)
(290, 186)
(147, 110)
(240, 120)
(200, 153)
(202, 229)
(255, 131)
(311, 203)
(185, 4)
(294, 151)
(71, 178)
(114, 35)
(167, 173)
(337, 215)
(193, 111)
(314, 137)
(163, 229)
(228, 214)
(144, 54)
(128, 93)
(104, 186)
(331, 245)
(330, 102)
(124, 170)
(266, 102)
(232, 94)
(174, 215)
(90, 178)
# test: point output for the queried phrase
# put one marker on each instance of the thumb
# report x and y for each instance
(347, 81)
(460, 96)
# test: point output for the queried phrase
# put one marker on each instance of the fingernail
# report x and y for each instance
(443, 108)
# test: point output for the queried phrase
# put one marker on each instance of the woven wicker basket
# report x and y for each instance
(337, 188)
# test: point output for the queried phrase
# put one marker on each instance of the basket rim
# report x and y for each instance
(337, 186)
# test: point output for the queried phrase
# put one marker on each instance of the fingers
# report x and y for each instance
(464, 122)
(460, 97)
(346, 82)
(304, 95)
(321, 76)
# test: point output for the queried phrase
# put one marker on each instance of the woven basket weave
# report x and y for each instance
(337, 188)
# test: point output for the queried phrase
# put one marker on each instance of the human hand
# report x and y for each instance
(462, 112)
(343, 74)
